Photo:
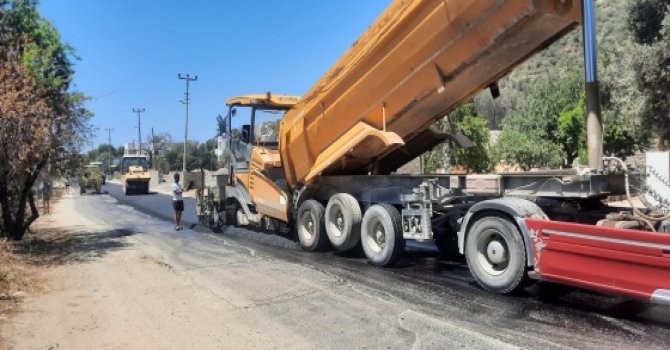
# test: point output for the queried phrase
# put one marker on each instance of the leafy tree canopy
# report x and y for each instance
(43, 123)
(466, 121)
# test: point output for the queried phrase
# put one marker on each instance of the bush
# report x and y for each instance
(527, 150)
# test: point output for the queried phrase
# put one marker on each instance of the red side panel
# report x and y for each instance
(629, 262)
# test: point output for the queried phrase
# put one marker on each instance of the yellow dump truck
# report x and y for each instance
(323, 163)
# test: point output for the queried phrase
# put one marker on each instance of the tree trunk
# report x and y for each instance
(570, 159)
(14, 214)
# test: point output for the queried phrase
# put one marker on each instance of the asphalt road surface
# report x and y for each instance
(156, 204)
(423, 302)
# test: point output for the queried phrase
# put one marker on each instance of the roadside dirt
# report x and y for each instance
(104, 287)
(84, 290)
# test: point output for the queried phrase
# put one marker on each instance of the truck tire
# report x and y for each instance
(381, 234)
(231, 215)
(214, 220)
(343, 221)
(447, 244)
(496, 255)
(311, 228)
(445, 232)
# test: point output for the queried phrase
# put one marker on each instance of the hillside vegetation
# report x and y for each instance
(541, 110)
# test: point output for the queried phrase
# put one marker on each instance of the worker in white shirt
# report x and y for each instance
(177, 202)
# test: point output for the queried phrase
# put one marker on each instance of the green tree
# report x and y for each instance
(536, 124)
(200, 156)
(572, 131)
(527, 149)
(43, 123)
(650, 22)
(466, 121)
(645, 20)
(159, 144)
(554, 114)
(474, 126)
(622, 103)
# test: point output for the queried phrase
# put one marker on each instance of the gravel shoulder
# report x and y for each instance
(118, 286)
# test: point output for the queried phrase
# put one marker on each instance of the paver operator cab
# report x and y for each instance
(323, 163)
(252, 156)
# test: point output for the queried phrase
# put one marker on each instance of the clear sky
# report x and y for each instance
(132, 50)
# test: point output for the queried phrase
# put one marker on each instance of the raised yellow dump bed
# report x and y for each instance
(371, 112)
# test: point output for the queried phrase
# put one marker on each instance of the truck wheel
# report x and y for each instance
(381, 234)
(343, 221)
(496, 255)
(447, 244)
(311, 230)
(214, 219)
(445, 232)
(230, 214)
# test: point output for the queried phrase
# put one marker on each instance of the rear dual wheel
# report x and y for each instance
(496, 255)
(343, 221)
(311, 228)
(381, 235)
(340, 224)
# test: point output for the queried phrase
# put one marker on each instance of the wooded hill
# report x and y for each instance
(541, 114)
(562, 58)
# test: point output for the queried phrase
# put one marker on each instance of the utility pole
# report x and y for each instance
(109, 150)
(139, 129)
(594, 120)
(188, 79)
(153, 149)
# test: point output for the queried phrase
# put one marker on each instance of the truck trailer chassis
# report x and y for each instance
(628, 262)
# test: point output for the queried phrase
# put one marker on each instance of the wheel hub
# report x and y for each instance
(337, 219)
(495, 252)
(380, 237)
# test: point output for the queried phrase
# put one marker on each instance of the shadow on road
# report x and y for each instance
(69, 245)
(138, 194)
